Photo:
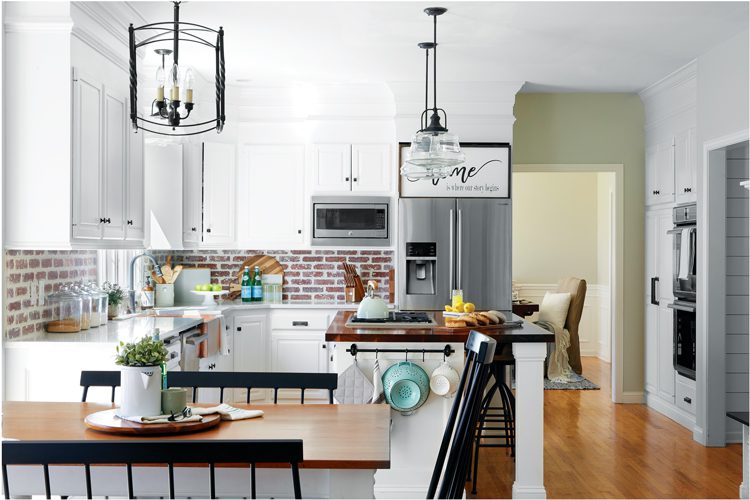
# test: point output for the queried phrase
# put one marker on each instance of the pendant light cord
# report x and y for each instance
(176, 34)
(434, 65)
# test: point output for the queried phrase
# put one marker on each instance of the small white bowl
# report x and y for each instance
(444, 380)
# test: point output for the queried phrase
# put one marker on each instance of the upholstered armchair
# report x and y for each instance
(577, 290)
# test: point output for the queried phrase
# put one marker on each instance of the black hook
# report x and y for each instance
(406, 357)
(422, 355)
(376, 353)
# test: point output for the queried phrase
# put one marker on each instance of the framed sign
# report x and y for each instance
(484, 174)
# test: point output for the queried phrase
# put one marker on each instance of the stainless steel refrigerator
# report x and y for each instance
(454, 243)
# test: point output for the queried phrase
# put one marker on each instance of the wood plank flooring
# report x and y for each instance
(596, 449)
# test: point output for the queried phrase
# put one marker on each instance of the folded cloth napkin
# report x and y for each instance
(162, 419)
(227, 412)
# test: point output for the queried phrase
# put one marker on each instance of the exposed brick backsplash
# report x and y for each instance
(309, 275)
(23, 268)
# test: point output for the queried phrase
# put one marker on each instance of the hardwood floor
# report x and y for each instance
(596, 449)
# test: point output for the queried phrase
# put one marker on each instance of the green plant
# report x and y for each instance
(116, 294)
(146, 352)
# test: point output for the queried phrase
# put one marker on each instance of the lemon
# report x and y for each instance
(469, 307)
(448, 309)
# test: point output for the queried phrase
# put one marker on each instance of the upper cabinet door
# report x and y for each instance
(685, 166)
(332, 167)
(371, 167)
(135, 224)
(87, 158)
(219, 188)
(115, 164)
(660, 173)
(192, 201)
(271, 195)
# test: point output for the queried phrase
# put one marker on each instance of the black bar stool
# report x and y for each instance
(496, 427)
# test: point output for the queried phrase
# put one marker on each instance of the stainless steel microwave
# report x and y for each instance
(351, 220)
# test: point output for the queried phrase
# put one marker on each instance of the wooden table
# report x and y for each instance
(344, 441)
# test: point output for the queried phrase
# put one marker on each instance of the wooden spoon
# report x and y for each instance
(157, 278)
(166, 270)
(176, 272)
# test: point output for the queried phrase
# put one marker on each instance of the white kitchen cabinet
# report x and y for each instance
(666, 372)
(651, 347)
(250, 350)
(351, 168)
(192, 194)
(685, 166)
(371, 167)
(660, 173)
(332, 167)
(270, 192)
(218, 194)
(135, 223)
(163, 193)
(115, 164)
(87, 157)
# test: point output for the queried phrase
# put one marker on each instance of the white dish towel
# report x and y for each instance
(227, 413)
(684, 254)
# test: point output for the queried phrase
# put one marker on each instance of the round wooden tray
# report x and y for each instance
(108, 421)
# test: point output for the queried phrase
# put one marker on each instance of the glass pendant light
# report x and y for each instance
(434, 151)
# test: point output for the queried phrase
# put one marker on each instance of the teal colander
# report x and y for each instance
(406, 386)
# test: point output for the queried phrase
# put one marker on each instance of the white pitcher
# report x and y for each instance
(141, 391)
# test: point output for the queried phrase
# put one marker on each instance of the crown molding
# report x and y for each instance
(684, 74)
(49, 24)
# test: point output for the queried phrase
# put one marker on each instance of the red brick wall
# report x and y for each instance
(23, 268)
(309, 275)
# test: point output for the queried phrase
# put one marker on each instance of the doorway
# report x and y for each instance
(568, 222)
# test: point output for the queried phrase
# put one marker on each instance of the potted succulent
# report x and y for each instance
(140, 376)
(116, 298)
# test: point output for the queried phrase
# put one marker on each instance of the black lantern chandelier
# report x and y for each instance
(166, 105)
(433, 149)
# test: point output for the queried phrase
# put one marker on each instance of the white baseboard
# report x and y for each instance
(632, 397)
(529, 491)
(671, 411)
(734, 437)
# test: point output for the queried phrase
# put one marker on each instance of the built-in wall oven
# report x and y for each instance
(351, 220)
(684, 263)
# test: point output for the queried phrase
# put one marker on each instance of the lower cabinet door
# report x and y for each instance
(249, 352)
(651, 347)
(299, 351)
(666, 372)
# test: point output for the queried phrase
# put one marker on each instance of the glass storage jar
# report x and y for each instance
(88, 306)
(66, 311)
(102, 300)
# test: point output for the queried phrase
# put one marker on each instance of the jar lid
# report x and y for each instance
(63, 295)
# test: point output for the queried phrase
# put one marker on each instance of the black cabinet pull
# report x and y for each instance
(239, 328)
(299, 231)
(654, 299)
(354, 179)
(102, 220)
(687, 400)
(208, 230)
(657, 192)
(346, 179)
(300, 323)
(130, 223)
(193, 229)
(323, 346)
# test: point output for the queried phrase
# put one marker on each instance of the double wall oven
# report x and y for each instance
(684, 261)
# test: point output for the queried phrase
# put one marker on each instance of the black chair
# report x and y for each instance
(99, 379)
(131, 452)
(254, 380)
(497, 424)
(480, 350)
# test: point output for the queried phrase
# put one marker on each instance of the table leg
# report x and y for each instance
(529, 481)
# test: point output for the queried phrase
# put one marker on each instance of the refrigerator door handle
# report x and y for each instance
(451, 259)
(459, 245)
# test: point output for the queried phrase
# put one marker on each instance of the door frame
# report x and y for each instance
(710, 422)
(617, 267)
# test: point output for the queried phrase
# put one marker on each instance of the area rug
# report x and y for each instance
(581, 385)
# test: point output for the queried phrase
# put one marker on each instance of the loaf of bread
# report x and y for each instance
(500, 315)
(454, 323)
(491, 318)
(469, 320)
(481, 320)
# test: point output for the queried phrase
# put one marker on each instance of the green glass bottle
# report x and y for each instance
(257, 286)
(246, 293)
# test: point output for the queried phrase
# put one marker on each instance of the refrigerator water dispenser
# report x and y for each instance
(421, 260)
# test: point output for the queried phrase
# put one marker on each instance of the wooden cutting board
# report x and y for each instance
(267, 265)
(107, 421)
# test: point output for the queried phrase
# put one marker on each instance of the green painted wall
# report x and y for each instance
(596, 128)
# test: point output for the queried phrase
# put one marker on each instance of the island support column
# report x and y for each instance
(529, 481)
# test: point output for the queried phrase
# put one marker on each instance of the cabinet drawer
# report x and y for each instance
(685, 394)
(302, 320)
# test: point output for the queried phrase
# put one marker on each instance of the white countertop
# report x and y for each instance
(113, 332)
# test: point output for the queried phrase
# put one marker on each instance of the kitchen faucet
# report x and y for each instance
(131, 283)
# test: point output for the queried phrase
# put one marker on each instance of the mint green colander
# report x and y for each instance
(406, 386)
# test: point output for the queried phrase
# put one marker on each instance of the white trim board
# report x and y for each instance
(617, 282)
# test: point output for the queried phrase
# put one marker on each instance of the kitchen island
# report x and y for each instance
(415, 438)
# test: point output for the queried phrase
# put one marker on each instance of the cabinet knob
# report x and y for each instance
(323, 346)
(346, 179)
(239, 328)
(354, 179)
(208, 230)
(299, 231)
(193, 229)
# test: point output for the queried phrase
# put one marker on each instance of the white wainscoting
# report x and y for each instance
(595, 330)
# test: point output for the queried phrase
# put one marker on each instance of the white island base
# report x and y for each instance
(415, 439)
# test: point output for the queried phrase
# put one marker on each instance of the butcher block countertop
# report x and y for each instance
(339, 332)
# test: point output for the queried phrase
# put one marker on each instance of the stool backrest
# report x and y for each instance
(456, 446)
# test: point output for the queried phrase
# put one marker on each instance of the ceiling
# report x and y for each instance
(553, 46)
